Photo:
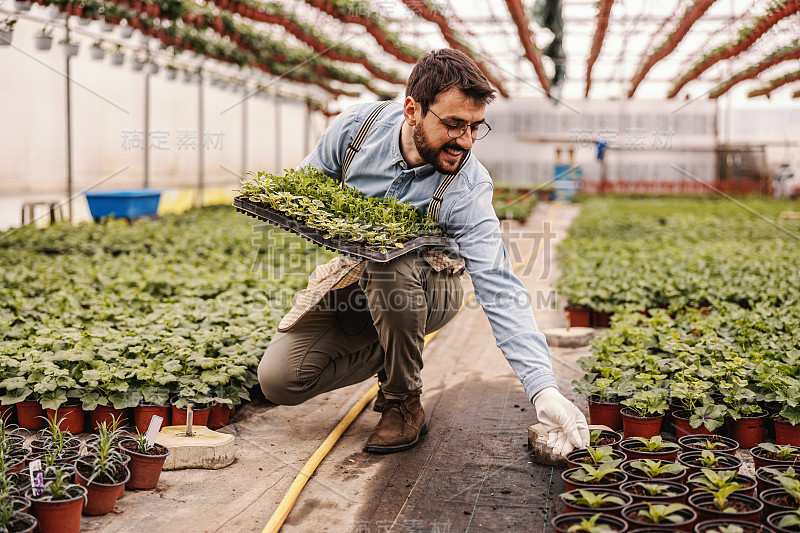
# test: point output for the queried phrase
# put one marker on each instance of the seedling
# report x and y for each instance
(590, 525)
(589, 474)
(790, 472)
(588, 498)
(142, 446)
(10, 519)
(107, 461)
(664, 513)
(721, 497)
(653, 469)
(791, 519)
(709, 444)
(784, 452)
(56, 436)
(726, 529)
(654, 489)
(708, 459)
(594, 436)
(710, 415)
(646, 403)
(792, 486)
(655, 443)
(716, 480)
(600, 455)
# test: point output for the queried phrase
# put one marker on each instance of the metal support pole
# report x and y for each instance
(200, 143)
(245, 137)
(147, 127)
(69, 129)
(307, 136)
(278, 134)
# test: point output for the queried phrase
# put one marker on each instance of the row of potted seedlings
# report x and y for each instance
(652, 485)
(77, 476)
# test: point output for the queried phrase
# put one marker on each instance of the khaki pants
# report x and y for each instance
(355, 332)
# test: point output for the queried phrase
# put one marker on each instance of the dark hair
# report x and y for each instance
(441, 70)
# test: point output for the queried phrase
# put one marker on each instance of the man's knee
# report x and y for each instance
(278, 380)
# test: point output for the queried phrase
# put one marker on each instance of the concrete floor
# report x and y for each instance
(472, 471)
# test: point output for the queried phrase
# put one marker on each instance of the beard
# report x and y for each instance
(434, 156)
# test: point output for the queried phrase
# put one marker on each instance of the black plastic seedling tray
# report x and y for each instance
(358, 251)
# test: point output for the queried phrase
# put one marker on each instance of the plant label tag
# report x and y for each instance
(37, 477)
(153, 429)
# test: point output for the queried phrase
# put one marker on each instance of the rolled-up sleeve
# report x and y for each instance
(499, 292)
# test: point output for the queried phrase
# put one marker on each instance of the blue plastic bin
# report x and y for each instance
(124, 203)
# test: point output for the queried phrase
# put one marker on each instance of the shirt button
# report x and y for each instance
(399, 181)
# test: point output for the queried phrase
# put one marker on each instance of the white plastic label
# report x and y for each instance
(37, 477)
(153, 429)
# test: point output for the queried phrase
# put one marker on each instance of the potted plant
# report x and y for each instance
(696, 461)
(6, 30)
(716, 504)
(606, 475)
(14, 521)
(102, 472)
(200, 409)
(674, 516)
(117, 57)
(44, 39)
(767, 477)
(697, 413)
(58, 508)
(97, 51)
(715, 480)
(768, 454)
(171, 71)
(146, 462)
(745, 417)
(787, 422)
(602, 390)
(788, 522)
(654, 448)
(604, 437)
(155, 398)
(731, 525)
(643, 413)
(70, 47)
(138, 63)
(106, 393)
(56, 440)
(655, 491)
(588, 523)
(714, 443)
(605, 501)
(70, 415)
(785, 498)
(125, 31)
(593, 456)
(647, 470)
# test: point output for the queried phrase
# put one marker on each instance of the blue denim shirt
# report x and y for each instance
(467, 217)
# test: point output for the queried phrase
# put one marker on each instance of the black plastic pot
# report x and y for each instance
(703, 503)
(562, 522)
(777, 500)
(635, 450)
(747, 527)
(748, 482)
(612, 481)
(679, 492)
(726, 462)
(636, 474)
(630, 515)
(576, 458)
(692, 443)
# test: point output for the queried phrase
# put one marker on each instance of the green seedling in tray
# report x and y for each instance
(309, 196)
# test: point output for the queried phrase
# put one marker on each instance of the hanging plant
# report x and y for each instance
(690, 16)
(603, 13)
(785, 53)
(747, 37)
(774, 84)
(532, 52)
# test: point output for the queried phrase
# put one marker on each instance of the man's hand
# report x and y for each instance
(565, 424)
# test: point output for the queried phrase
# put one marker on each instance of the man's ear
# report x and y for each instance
(410, 108)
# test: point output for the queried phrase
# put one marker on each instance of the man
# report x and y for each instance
(357, 319)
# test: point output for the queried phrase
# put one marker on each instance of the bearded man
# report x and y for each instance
(358, 319)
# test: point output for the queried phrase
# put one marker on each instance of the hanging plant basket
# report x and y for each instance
(97, 52)
(43, 42)
(70, 49)
(117, 59)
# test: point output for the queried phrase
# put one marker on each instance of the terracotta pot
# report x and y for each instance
(28, 415)
(572, 507)
(786, 433)
(635, 450)
(200, 417)
(579, 318)
(62, 516)
(748, 431)
(73, 418)
(562, 522)
(678, 492)
(630, 515)
(101, 497)
(218, 416)
(605, 413)
(601, 319)
(613, 481)
(703, 504)
(17, 461)
(640, 426)
(748, 489)
(682, 427)
(107, 414)
(144, 469)
(696, 443)
(144, 412)
(26, 524)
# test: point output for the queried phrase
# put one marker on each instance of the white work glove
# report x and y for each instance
(565, 424)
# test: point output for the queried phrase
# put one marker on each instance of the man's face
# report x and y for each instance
(431, 137)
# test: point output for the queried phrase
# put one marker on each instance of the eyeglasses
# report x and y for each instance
(478, 130)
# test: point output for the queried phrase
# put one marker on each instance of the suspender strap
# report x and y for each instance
(358, 140)
(438, 195)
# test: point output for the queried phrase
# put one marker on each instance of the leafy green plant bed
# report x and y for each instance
(334, 211)
(117, 313)
(514, 205)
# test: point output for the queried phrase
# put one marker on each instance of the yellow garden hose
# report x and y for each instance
(284, 508)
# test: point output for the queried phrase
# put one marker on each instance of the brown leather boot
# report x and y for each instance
(400, 427)
(380, 402)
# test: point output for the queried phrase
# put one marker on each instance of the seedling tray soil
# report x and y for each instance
(347, 248)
